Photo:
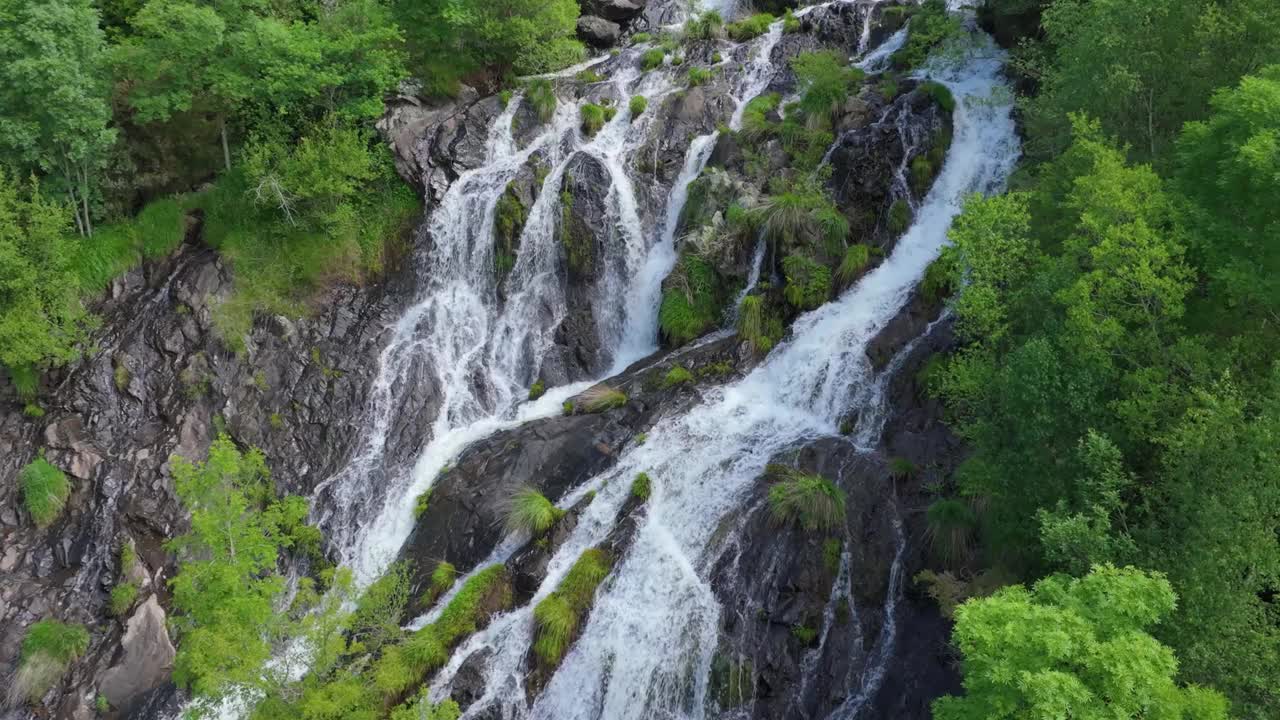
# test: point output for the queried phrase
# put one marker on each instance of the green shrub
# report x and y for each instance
(758, 324)
(610, 112)
(509, 218)
(44, 491)
(899, 217)
(940, 93)
(790, 23)
(692, 300)
(810, 501)
(48, 650)
(808, 283)
(639, 104)
(123, 596)
(33, 411)
(942, 277)
(422, 503)
(101, 705)
(568, 407)
(601, 398)
(676, 376)
(902, 468)
(755, 123)
(707, 26)
(641, 38)
(825, 81)
(652, 59)
(805, 634)
(641, 487)
(750, 28)
(931, 25)
(542, 96)
(557, 617)
(589, 76)
(856, 258)
(531, 512)
(592, 119)
(889, 88)
(161, 227)
(376, 620)
(537, 390)
(504, 97)
(950, 530)
(831, 548)
(442, 579)
(699, 76)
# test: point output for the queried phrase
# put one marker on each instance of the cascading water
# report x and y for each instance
(647, 647)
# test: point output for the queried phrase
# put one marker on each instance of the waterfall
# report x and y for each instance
(647, 647)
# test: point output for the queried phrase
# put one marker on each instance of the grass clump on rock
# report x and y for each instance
(641, 487)
(123, 595)
(592, 119)
(639, 104)
(48, 649)
(807, 500)
(855, 260)
(950, 530)
(542, 96)
(442, 579)
(677, 375)
(653, 59)
(557, 617)
(531, 512)
(600, 398)
(44, 491)
(537, 390)
(750, 28)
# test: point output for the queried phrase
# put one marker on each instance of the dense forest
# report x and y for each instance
(1108, 548)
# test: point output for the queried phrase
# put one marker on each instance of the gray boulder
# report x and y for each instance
(616, 10)
(146, 660)
(598, 32)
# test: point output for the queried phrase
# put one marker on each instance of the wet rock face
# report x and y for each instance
(469, 503)
(162, 383)
(615, 10)
(598, 32)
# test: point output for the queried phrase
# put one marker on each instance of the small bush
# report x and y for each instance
(790, 23)
(805, 634)
(504, 98)
(531, 512)
(899, 217)
(639, 104)
(856, 258)
(889, 89)
(922, 172)
(48, 649)
(592, 119)
(940, 93)
(537, 390)
(808, 283)
(941, 278)
(376, 620)
(676, 376)
(641, 487)
(652, 59)
(601, 398)
(442, 579)
(810, 501)
(950, 530)
(33, 411)
(692, 300)
(750, 28)
(568, 407)
(831, 555)
(610, 112)
(44, 491)
(123, 596)
(755, 123)
(902, 468)
(707, 26)
(589, 76)
(699, 76)
(641, 38)
(758, 325)
(422, 503)
(542, 96)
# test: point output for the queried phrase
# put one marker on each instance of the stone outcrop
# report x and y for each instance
(146, 657)
(598, 32)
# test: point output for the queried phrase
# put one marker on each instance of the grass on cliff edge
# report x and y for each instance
(48, 649)
(44, 491)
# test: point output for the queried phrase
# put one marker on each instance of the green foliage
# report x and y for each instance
(676, 376)
(541, 94)
(808, 283)
(510, 216)
(825, 81)
(1072, 645)
(806, 635)
(692, 300)
(559, 615)
(807, 500)
(899, 217)
(48, 649)
(950, 530)
(41, 319)
(750, 28)
(376, 620)
(101, 705)
(601, 398)
(226, 586)
(641, 38)
(531, 512)
(940, 93)
(804, 216)
(641, 487)
(700, 76)
(589, 77)
(855, 260)
(707, 26)
(755, 123)
(638, 105)
(44, 491)
(831, 549)
(123, 596)
(929, 28)
(759, 323)
(732, 682)
(653, 59)
(442, 580)
(790, 23)
(537, 390)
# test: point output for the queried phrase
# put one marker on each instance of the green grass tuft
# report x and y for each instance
(810, 501)
(805, 634)
(641, 487)
(592, 119)
(542, 96)
(950, 529)
(676, 376)
(589, 76)
(558, 616)
(653, 59)
(699, 76)
(537, 390)
(899, 217)
(940, 93)
(123, 595)
(641, 38)
(855, 260)
(601, 398)
(639, 104)
(44, 491)
(808, 282)
(442, 579)
(48, 650)
(422, 503)
(530, 511)
(750, 28)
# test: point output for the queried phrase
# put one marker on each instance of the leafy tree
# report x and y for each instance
(41, 319)
(1073, 648)
(54, 113)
